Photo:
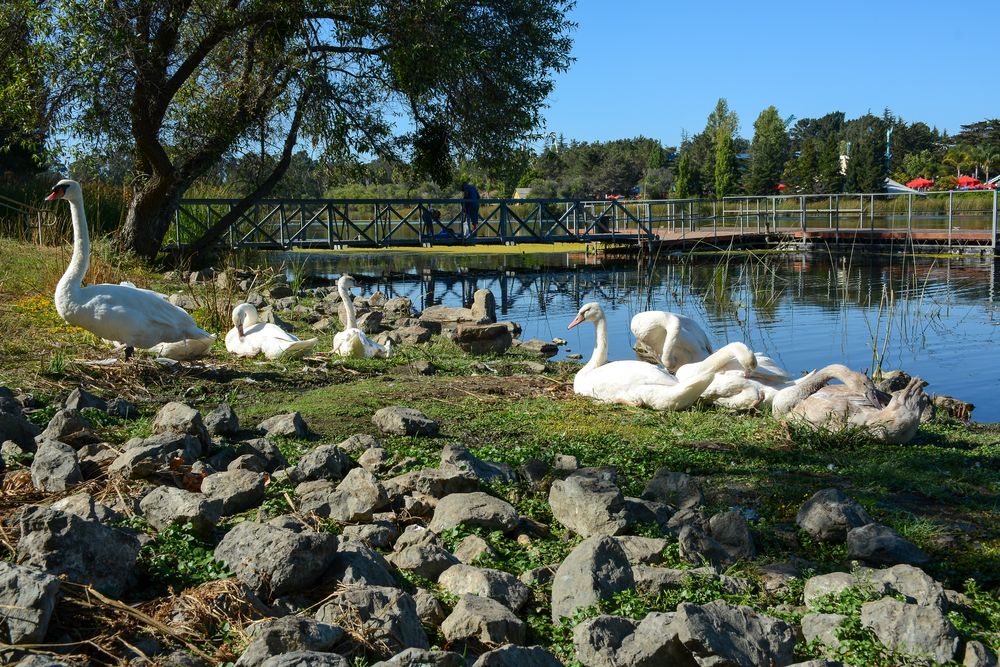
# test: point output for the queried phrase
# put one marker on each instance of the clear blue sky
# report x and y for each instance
(654, 68)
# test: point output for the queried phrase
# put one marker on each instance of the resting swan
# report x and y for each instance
(858, 403)
(631, 382)
(135, 317)
(250, 337)
(182, 350)
(352, 341)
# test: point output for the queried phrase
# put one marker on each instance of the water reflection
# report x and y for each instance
(935, 317)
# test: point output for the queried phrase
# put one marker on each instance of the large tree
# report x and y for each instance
(768, 152)
(184, 83)
(726, 173)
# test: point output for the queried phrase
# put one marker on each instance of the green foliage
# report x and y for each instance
(768, 153)
(726, 173)
(682, 183)
(178, 559)
(866, 166)
(831, 181)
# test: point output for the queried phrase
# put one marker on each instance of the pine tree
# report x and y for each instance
(866, 166)
(725, 165)
(831, 181)
(683, 180)
(767, 152)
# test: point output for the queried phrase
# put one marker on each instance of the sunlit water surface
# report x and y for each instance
(937, 318)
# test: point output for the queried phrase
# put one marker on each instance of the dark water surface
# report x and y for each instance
(937, 318)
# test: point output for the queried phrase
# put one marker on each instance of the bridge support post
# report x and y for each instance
(994, 240)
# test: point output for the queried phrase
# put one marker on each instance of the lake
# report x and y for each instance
(937, 318)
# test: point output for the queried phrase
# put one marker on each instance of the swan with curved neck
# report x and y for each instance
(669, 339)
(251, 336)
(631, 382)
(135, 317)
(352, 341)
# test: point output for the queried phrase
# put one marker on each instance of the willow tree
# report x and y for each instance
(183, 83)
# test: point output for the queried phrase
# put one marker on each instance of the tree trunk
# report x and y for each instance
(150, 214)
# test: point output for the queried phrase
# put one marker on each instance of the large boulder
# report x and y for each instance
(719, 633)
(61, 543)
(913, 629)
(180, 418)
(485, 582)
(473, 509)
(275, 561)
(483, 338)
(830, 514)
(589, 503)
(55, 467)
(399, 420)
(388, 616)
(484, 306)
(27, 597)
(595, 570)
(484, 621)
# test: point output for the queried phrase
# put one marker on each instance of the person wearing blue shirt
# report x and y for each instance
(470, 209)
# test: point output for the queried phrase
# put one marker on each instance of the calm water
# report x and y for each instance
(936, 318)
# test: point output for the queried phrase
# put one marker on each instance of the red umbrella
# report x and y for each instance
(920, 183)
(781, 186)
(966, 181)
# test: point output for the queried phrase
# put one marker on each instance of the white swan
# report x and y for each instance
(352, 341)
(669, 339)
(183, 350)
(136, 317)
(734, 390)
(250, 337)
(631, 382)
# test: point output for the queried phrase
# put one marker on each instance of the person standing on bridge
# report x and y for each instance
(470, 209)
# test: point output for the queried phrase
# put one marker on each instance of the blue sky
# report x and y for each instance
(654, 68)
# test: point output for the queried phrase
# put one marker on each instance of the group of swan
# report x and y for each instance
(677, 367)
(145, 319)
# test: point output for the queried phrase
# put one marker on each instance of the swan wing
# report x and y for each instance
(136, 317)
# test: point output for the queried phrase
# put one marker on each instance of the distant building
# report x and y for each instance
(522, 193)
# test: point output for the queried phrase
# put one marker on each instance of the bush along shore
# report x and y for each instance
(455, 504)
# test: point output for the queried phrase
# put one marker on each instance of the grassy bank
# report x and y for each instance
(941, 491)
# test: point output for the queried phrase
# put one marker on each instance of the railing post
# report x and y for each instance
(909, 217)
(802, 215)
(994, 240)
(951, 196)
(715, 221)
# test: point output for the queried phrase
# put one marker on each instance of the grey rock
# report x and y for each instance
(375, 460)
(479, 619)
(324, 462)
(276, 561)
(398, 420)
(913, 629)
(40, 660)
(642, 550)
(473, 509)
(517, 656)
(70, 427)
(356, 499)
(356, 564)
(822, 627)
(473, 547)
(27, 597)
(370, 322)
(978, 654)
(597, 640)
(280, 291)
(430, 610)
(656, 580)
(425, 560)
(165, 506)
(359, 442)
(538, 576)
(84, 506)
(821, 662)
(483, 338)
(416, 657)
(589, 503)
(595, 570)
(640, 512)
(696, 546)
(415, 535)
(396, 307)
(447, 315)
(289, 425)
(829, 514)
(377, 534)
(266, 450)
(827, 584)
(881, 545)
(389, 616)
(655, 642)
(94, 457)
(306, 659)
(16, 428)
(236, 490)
(180, 418)
(143, 458)
(674, 488)
(185, 301)
(912, 582)
(719, 633)
(222, 421)
(250, 462)
(287, 634)
(410, 335)
(459, 456)
(80, 399)
(730, 529)
(485, 582)
(542, 348)
(433, 482)
(119, 407)
(484, 306)
(61, 543)
(55, 467)
(565, 462)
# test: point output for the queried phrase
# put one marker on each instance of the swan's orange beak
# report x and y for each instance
(57, 193)
(578, 320)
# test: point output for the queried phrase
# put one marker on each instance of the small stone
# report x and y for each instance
(27, 597)
(289, 425)
(483, 620)
(55, 467)
(878, 544)
(180, 418)
(830, 514)
(80, 399)
(236, 490)
(222, 421)
(165, 506)
(473, 509)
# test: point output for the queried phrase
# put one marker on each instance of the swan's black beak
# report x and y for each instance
(874, 399)
(747, 372)
(578, 320)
